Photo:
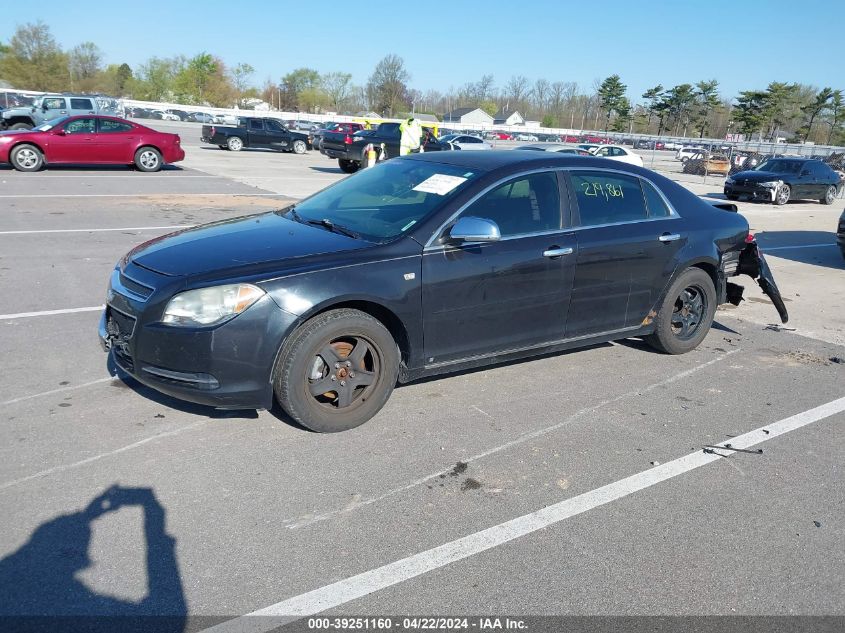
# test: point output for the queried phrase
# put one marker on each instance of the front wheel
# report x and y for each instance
(27, 158)
(829, 195)
(348, 166)
(299, 147)
(336, 371)
(148, 159)
(782, 195)
(686, 314)
(21, 126)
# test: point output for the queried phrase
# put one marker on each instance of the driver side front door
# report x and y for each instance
(74, 142)
(480, 299)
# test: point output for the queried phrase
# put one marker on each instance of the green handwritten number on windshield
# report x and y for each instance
(606, 190)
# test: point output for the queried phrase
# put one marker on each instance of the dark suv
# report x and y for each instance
(780, 180)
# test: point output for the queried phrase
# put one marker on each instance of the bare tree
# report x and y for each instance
(387, 84)
(338, 87)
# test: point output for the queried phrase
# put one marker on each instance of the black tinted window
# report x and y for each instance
(80, 126)
(256, 124)
(274, 125)
(657, 207)
(81, 104)
(604, 197)
(108, 125)
(524, 205)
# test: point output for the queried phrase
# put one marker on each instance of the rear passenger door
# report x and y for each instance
(115, 141)
(628, 238)
(257, 137)
(81, 105)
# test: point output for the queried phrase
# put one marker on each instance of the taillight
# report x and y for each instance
(749, 238)
(347, 140)
(213, 130)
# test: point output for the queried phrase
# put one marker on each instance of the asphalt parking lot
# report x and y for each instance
(581, 483)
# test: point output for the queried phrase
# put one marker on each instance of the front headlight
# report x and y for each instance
(210, 306)
(771, 184)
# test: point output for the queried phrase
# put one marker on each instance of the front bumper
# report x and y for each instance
(229, 366)
(755, 192)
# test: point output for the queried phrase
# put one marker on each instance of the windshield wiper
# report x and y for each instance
(334, 228)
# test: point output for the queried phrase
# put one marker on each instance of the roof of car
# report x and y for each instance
(495, 159)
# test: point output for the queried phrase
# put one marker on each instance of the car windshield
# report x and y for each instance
(381, 203)
(48, 125)
(780, 166)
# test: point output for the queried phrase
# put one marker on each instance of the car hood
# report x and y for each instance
(238, 243)
(759, 176)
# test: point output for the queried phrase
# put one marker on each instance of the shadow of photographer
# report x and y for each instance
(40, 591)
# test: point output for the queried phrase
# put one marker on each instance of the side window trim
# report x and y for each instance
(576, 213)
(431, 244)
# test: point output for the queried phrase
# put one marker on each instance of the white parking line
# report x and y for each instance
(26, 315)
(59, 390)
(293, 524)
(128, 228)
(363, 584)
(767, 249)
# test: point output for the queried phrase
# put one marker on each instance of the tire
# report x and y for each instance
(21, 126)
(235, 144)
(732, 196)
(348, 166)
(317, 352)
(148, 159)
(27, 158)
(783, 194)
(829, 195)
(692, 287)
(299, 147)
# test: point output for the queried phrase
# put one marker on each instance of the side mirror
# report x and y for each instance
(469, 229)
(44, 108)
(60, 133)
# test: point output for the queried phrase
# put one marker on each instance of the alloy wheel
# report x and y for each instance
(688, 312)
(148, 159)
(344, 372)
(26, 158)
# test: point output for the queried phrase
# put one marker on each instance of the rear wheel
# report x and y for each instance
(686, 314)
(829, 195)
(27, 158)
(348, 166)
(336, 371)
(299, 147)
(235, 144)
(782, 195)
(148, 159)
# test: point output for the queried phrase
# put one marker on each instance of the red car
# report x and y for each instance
(90, 140)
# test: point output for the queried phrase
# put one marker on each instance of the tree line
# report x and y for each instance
(33, 60)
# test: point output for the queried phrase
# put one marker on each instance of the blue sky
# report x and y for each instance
(743, 43)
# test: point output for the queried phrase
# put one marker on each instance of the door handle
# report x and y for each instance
(557, 252)
(669, 237)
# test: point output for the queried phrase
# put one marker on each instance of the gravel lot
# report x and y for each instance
(262, 512)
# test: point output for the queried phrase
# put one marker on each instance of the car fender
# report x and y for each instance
(41, 147)
(709, 263)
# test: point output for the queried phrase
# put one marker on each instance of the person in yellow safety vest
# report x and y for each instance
(410, 134)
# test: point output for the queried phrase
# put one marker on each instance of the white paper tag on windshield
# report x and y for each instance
(441, 184)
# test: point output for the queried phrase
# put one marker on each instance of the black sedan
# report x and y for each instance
(780, 180)
(422, 265)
